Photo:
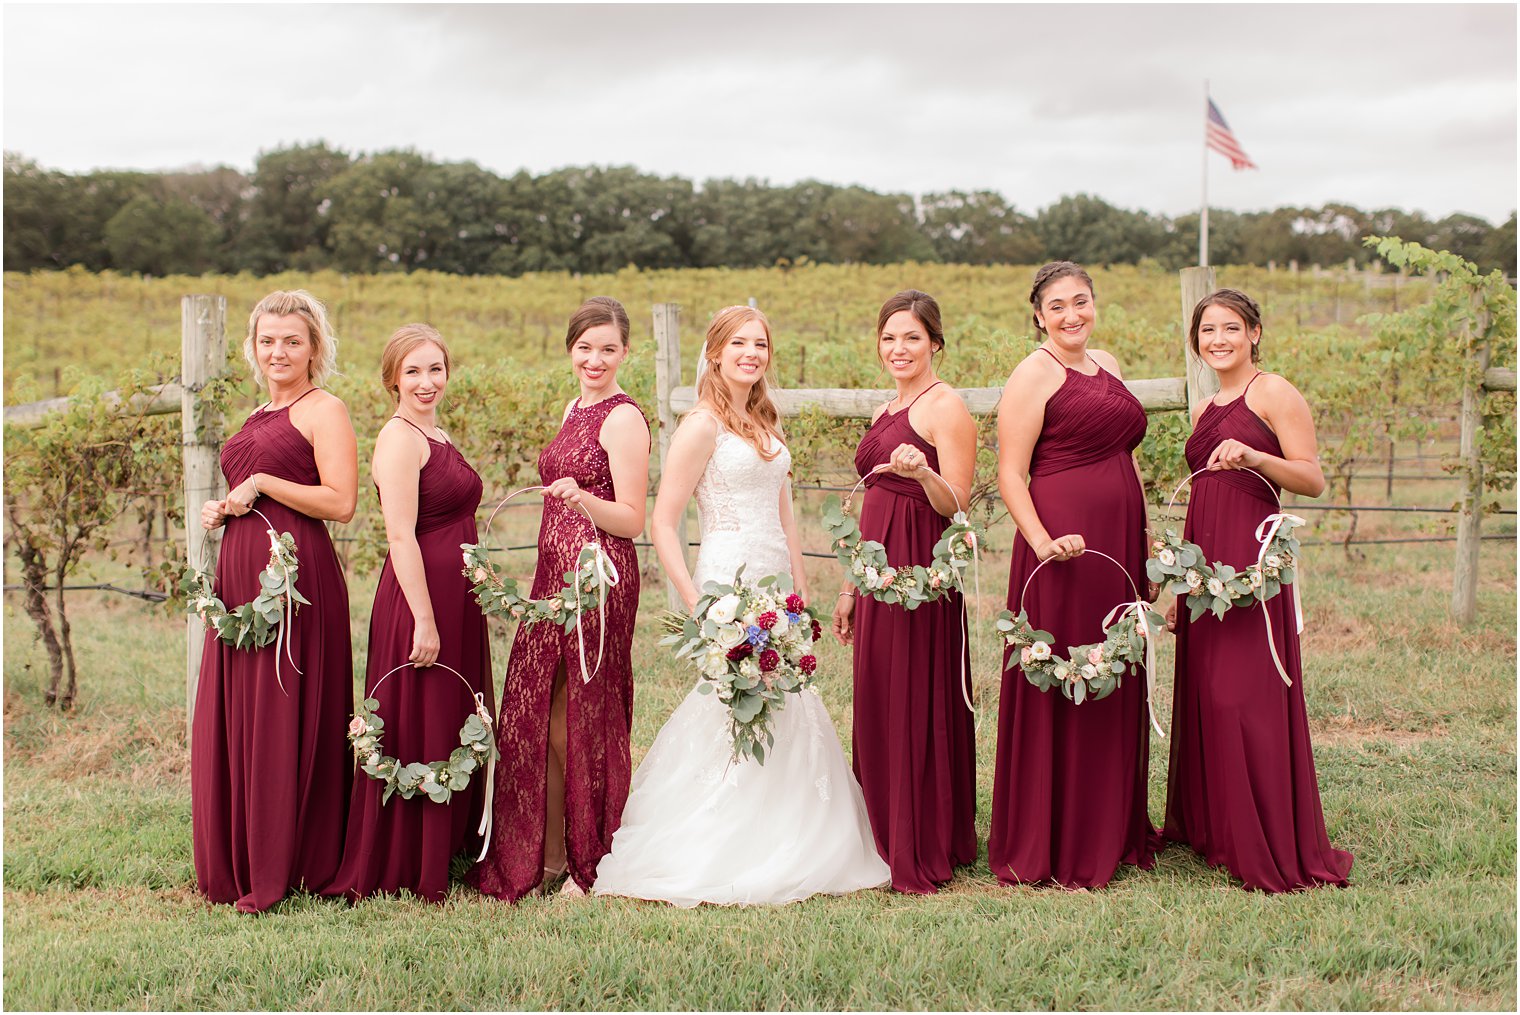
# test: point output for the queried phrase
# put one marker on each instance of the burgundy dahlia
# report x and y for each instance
(807, 664)
(740, 651)
(794, 603)
(769, 660)
(766, 620)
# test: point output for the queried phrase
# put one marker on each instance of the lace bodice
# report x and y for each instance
(738, 501)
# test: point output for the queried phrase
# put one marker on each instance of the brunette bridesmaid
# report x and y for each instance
(423, 615)
(269, 767)
(913, 738)
(1068, 798)
(1241, 788)
(564, 733)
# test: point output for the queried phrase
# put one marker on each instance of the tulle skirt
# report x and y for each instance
(700, 827)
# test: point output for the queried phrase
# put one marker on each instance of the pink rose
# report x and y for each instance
(1095, 654)
(1024, 655)
(479, 576)
(357, 727)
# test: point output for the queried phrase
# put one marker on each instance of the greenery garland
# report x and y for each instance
(439, 780)
(1086, 671)
(866, 566)
(585, 588)
(1218, 587)
(255, 624)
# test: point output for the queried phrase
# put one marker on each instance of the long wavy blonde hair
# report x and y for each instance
(763, 419)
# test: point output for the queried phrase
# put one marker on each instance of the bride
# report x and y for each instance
(698, 828)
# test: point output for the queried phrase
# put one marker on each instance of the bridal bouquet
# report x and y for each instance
(752, 644)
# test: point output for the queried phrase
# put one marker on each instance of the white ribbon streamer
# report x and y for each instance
(976, 574)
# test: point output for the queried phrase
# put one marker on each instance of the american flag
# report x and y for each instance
(1223, 141)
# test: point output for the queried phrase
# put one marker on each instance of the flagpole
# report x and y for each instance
(1203, 218)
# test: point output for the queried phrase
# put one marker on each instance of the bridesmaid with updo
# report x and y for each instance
(914, 737)
(424, 624)
(1241, 789)
(1068, 797)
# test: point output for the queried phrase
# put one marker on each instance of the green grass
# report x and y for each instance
(1414, 723)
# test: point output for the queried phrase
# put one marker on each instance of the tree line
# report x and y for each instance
(311, 207)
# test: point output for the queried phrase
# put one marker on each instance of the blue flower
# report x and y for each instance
(756, 636)
(792, 618)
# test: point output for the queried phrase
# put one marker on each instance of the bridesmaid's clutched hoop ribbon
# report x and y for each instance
(586, 588)
(267, 618)
(1218, 587)
(1088, 671)
(439, 780)
(910, 585)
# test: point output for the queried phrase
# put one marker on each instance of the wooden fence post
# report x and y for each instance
(1202, 382)
(203, 356)
(667, 377)
(1464, 575)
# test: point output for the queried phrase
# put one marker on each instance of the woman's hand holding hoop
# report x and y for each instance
(565, 488)
(1232, 454)
(906, 460)
(213, 514)
(240, 499)
(425, 643)
(1062, 547)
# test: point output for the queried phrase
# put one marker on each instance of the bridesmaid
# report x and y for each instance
(1257, 812)
(1068, 798)
(269, 768)
(565, 754)
(423, 614)
(913, 739)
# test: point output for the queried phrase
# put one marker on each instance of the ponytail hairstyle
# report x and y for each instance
(597, 310)
(923, 307)
(1237, 303)
(764, 419)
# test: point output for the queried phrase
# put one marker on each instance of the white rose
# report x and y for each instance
(1256, 579)
(782, 625)
(1089, 670)
(724, 610)
(1216, 587)
(714, 663)
(373, 759)
(1273, 560)
(1039, 651)
(1194, 579)
(873, 577)
(750, 619)
(750, 667)
(1167, 557)
(729, 635)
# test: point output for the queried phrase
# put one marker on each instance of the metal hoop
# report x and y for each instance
(1173, 502)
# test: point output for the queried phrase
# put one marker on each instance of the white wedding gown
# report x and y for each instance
(699, 827)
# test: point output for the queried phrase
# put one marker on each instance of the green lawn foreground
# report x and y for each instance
(1414, 726)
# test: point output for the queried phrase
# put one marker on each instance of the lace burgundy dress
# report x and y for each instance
(1241, 789)
(599, 712)
(270, 769)
(1068, 797)
(409, 843)
(914, 739)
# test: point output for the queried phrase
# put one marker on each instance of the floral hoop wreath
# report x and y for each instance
(267, 618)
(1088, 671)
(438, 780)
(866, 566)
(1218, 587)
(585, 588)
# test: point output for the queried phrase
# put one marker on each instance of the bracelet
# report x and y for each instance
(253, 480)
(851, 593)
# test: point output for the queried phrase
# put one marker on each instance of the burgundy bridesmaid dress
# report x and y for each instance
(914, 739)
(599, 712)
(1068, 797)
(269, 769)
(1241, 789)
(408, 844)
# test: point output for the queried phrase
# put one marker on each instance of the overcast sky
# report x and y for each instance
(1377, 105)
